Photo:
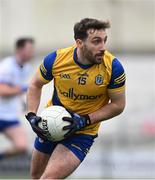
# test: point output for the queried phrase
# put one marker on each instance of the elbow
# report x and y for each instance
(120, 108)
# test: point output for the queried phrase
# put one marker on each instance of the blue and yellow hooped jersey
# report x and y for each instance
(82, 88)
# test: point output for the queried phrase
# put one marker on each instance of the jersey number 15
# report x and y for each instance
(82, 80)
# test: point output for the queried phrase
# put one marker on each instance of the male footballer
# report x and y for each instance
(89, 82)
(14, 72)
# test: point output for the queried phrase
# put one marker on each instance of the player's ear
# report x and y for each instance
(79, 43)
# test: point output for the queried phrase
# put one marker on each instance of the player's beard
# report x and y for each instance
(93, 59)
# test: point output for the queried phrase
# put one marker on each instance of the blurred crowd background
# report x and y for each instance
(125, 147)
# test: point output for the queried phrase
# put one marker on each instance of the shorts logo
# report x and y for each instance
(99, 79)
(41, 140)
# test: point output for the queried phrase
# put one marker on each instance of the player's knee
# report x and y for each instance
(35, 175)
(21, 146)
(51, 175)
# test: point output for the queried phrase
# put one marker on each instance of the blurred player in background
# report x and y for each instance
(14, 71)
(90, 82)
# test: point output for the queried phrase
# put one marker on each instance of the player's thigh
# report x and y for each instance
(38, 163)
(17, 135)
(42, 152)
(61, 163)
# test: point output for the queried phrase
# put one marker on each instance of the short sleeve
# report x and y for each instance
(117, 81)
(45, 68)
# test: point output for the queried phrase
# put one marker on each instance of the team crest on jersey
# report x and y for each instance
(99, 79)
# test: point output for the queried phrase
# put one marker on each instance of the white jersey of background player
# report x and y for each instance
(14, 72)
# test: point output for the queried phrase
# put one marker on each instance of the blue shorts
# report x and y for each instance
(79, 144)
(4, 124)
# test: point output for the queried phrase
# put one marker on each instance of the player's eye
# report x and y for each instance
(96, 41)
(105, 39)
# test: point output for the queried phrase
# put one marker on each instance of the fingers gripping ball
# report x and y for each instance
(52, 122)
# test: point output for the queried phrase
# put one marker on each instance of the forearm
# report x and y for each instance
(6, 90)
(78, 122)
(106, 112)
(33, 98)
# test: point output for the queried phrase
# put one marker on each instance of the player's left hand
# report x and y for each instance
(77, 122)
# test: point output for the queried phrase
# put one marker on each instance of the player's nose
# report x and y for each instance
(102, 47)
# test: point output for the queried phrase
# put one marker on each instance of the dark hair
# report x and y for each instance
(80, 28)
(20, 43)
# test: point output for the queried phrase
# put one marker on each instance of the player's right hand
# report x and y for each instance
(24, 88)
(34, 120)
